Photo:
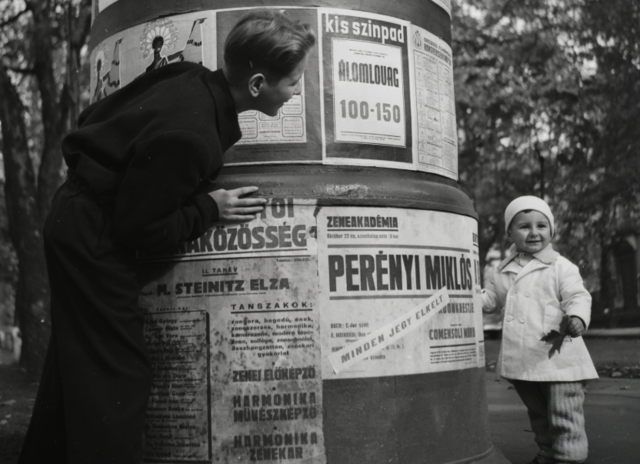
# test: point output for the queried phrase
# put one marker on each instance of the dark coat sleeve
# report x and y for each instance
(156, 208)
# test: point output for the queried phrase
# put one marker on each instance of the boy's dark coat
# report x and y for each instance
(141, 162)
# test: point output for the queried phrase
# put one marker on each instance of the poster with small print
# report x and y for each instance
(235, 337)
(294, 134)
(366, 89)
(376, 265)
(434, 104)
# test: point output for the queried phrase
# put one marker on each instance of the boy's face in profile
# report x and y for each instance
(273, 95)
(530, 231)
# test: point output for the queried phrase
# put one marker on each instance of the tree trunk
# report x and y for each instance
(606, 284)
(32, 294)
(54, 111)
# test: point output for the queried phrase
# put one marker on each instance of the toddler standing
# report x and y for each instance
(543, 299)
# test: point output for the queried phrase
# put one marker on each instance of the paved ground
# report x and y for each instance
(612, 407)
(612, 410)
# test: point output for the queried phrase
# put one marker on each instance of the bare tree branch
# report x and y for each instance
(51, 159)
(26, 71)
(15, 17)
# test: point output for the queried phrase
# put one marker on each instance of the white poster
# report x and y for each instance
(368, 92)
(437, 139)
(378, 264)
(366, 83)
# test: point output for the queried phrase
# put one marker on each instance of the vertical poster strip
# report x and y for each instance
(477, 302)
(366, 89)
(294, 134)
(437, 139)
(257, 284)
(321, 77)
(121, 58)
(376, 264)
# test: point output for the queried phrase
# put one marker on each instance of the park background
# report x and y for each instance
(547, 104)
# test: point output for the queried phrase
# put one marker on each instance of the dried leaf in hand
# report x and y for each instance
(555, 337)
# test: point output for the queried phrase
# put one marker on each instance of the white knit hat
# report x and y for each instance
(526, 203)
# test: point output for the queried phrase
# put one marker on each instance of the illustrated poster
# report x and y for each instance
(121, 58)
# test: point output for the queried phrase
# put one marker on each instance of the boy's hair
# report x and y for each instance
(268, 42)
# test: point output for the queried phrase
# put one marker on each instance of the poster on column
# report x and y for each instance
(366, 89)
(437, 139)
(121, 58)
(294, 134)
(234, 336)
(377, 264)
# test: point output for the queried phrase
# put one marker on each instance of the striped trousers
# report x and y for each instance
(557, 418)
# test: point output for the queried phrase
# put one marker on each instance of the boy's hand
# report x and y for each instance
(575, 328)
(233, 209)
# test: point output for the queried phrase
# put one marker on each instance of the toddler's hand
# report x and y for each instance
(575, 328)
(233, 209)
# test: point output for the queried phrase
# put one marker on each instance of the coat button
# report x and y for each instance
(509, 318)
(522, 320)
(527, 294)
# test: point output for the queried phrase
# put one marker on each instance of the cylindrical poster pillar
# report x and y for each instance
(344, 325)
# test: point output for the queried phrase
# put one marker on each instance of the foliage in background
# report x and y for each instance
(41, 44)
(548, 95)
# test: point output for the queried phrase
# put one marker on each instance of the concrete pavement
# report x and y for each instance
(612, 410)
